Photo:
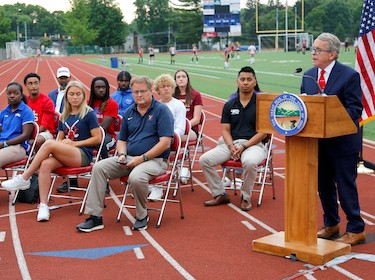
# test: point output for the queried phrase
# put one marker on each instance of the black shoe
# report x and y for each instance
(91, 224)
(64, 187)
(141, 224)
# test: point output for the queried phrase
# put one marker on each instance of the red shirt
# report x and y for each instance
(196, 99)
(110, 110)
(44, 111)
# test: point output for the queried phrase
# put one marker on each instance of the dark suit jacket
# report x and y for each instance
(345, 83)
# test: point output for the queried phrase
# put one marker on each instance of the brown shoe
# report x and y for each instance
(352, 238)
(329, 232)
(245, 205)
(218, 200)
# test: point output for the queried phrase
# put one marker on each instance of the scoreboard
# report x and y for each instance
(221, 18)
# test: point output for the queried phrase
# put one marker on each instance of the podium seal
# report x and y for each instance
(288, 114)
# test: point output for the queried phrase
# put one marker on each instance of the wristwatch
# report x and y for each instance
(244, 146)
(145, 158)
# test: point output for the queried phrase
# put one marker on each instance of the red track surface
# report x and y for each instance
(210, 243)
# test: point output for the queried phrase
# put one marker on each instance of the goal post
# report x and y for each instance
(280, 41)
(277, 29)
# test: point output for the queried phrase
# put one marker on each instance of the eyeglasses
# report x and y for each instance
(318, 51)
(140, 92)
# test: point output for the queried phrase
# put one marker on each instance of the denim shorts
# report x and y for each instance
(84, 159)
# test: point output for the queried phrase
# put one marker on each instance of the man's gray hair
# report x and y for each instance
(333, 42)
(141, 80)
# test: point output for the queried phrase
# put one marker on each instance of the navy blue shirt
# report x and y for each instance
(77, 129)
(143, 132)
(242, 120)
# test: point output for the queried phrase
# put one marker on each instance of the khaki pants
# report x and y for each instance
(138, 181)
(250, 159)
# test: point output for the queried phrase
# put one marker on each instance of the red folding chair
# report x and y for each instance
(23, 164)
(196, 144)
(168, 181)
(76, 172)
(264, 176)
(118, 123)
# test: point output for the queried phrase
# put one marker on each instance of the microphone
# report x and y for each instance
(297, 73)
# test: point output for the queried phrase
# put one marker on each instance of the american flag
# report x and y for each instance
(365, 60)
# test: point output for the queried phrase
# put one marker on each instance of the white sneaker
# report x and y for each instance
(238, 184)
(156, 193)
(16, 183)
(227, 182)
(233, 185)
(43, 213)
(185, 175)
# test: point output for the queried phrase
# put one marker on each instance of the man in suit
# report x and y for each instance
(337, 171)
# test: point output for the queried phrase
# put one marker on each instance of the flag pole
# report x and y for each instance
(364, 167)
(364, 66)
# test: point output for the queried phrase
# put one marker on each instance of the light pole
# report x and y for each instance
(18, 28)
(25, 34)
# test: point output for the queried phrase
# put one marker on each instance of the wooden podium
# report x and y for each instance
(326, 118)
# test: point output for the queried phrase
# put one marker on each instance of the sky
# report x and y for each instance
(126, 6)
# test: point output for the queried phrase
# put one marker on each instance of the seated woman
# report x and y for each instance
(78, 133)
(16, 126)
(192, 100)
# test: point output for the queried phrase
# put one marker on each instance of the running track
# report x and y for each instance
(210, 243)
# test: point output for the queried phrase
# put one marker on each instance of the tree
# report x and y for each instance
(6, 35)
(186, 21)
(77, 24)
(106, 18)
(152, 20)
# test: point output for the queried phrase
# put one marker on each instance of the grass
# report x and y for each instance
(274, 72)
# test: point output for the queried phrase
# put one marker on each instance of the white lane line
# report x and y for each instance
(248, 225)
(138, 253)
(367, 215)
(367, 222)
(155, 244)
(127, 230)
(346, 273)
(235, 208)
(17, 242)
(2, 236)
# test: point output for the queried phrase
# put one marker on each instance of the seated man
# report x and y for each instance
(240, 142)
(123, 96)
(42, 107)
(143, 148)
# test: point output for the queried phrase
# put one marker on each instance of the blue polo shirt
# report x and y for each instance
(124, 99)
(12, 122)
(143, 132)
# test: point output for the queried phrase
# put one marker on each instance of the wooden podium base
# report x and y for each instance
(322, 252)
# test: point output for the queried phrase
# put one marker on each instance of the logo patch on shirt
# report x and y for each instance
(150, 117)
(234, 112)
(18, 115)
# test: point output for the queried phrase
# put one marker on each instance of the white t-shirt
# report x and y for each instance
(59, 99)
(179, 115)
(252, 49)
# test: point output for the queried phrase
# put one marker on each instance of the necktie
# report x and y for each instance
(322, 81)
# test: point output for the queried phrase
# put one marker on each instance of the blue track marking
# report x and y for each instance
(92, 253)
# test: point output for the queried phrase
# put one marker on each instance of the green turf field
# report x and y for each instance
(274, 71)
